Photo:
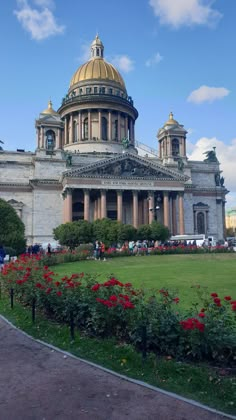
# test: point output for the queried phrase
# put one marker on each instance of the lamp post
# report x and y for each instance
(156, 206)
(154, 211)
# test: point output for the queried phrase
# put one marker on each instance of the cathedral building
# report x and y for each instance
(87, 165)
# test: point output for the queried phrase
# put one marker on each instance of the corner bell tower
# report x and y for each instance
(172, 141)
(49, 130)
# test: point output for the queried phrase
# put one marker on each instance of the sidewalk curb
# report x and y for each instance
(126, 378)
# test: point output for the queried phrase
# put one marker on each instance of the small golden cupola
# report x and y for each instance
(172, 141)
(49, 110)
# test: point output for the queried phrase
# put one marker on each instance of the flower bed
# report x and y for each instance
(114, 309)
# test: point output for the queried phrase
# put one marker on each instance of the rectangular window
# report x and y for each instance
(110, 91)
(95, 90)
(88, 91)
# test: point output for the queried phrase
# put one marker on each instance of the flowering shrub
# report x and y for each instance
(112, 308)
(212, 333)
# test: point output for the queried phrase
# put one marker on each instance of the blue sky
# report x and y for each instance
(175, 55)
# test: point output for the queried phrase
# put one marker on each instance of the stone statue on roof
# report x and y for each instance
(210, 156)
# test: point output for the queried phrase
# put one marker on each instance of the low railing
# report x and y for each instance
(87, 96)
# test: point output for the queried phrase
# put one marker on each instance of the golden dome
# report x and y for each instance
(97, 68)
(49, 109)
(171, 120)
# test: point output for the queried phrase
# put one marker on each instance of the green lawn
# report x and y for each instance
(180, 273)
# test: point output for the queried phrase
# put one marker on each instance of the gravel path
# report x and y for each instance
(37, 383)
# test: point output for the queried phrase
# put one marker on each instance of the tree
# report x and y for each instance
(144, 232)
(67, 234)
(12, 229)
(85, 230)
(126, 233)
(159, 232)
(105, 230)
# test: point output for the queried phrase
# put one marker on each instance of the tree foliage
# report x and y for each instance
(108, 231)
(12, 229)
(159, 232)
(73, 234)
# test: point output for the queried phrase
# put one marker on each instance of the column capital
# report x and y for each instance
(67, 191)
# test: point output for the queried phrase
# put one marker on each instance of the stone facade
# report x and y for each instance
(87, 166)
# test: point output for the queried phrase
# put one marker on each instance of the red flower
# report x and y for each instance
(49, 289)
(113, 298)
(59, 293)
(128, 305)
(192, 324)
(201, 315)
(176, 300)
(233, 302)
(95, 287)
(19, 281)
(217, 301)
(214, 295)
(39, 286)
(128, 285)
(233, 307)
(227, 298)
(74, 276)
(57, 283)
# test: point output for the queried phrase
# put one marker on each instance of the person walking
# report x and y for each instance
(102, 252)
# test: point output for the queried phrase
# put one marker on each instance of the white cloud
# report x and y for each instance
(185, 12)
(123, 63)
(226, 155)
(155, 59)
(207, 94)
(40, 23)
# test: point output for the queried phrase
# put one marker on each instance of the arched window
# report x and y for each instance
(200, 222)
(74, 131)
(50, 140)
(175, 147)
(85, 129)
(104, 128)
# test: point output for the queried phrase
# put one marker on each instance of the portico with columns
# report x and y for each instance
(130, 206)
(127, 189)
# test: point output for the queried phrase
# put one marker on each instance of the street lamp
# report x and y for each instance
(156, 207)
(154, 210)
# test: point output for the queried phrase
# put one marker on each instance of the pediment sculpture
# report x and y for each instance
(129, 168)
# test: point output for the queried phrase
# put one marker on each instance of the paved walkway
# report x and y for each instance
(37, 383)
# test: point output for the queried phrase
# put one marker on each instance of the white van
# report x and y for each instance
(199, 239)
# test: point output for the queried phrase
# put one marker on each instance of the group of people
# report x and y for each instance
(99, 250)
(37, 249)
